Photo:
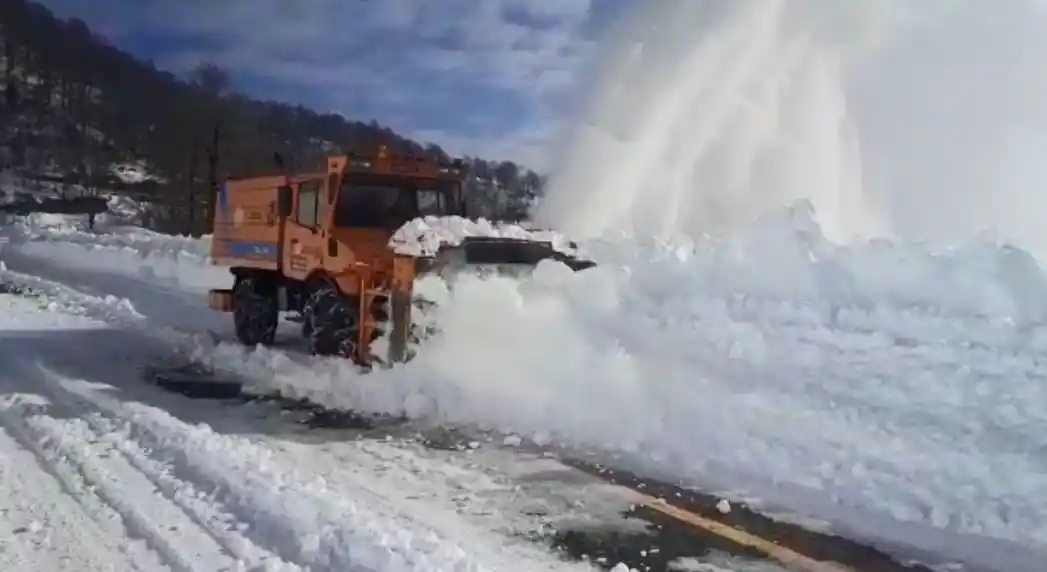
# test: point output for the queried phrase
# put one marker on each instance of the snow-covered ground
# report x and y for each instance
(135, 172)
(894, 391)
(16, 187)
(100, 471)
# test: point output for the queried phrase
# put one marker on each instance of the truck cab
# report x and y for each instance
(343, 219)
(367, 200)
(317, 245)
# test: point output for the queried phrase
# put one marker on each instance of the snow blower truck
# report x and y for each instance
(334, 250)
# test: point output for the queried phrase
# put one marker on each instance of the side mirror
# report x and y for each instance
(284, 201)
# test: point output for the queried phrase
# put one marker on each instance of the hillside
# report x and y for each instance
(79, 112)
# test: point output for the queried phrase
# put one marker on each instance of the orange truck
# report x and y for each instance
(317, 246)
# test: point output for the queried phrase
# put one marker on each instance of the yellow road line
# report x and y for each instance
(789, 558)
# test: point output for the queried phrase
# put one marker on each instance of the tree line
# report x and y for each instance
(73, 105)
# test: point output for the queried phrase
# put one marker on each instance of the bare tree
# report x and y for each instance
(73, 100)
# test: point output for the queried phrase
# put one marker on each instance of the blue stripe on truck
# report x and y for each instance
(264, 250)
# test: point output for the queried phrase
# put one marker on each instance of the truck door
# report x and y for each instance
(304, 235)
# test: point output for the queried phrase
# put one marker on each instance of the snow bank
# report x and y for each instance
(424, 236)
(826, 379)
(138, 257)
(58, 229)
(164, 279)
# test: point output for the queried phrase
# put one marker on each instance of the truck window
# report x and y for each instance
(388, 205)
(368, 206)
(431, 203)
(308, 212)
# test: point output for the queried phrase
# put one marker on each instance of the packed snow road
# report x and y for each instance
(95, 477)
(45, 510)
(78, 496)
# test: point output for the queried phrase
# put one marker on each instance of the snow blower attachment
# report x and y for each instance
(340, 250)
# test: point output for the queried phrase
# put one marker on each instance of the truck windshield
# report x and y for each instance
(364, 204)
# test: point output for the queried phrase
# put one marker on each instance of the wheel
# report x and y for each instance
(332, 323)
(255, 310)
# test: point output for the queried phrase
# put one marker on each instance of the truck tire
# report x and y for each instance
(255, 311)
(332, 323)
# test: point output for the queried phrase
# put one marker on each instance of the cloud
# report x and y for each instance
(489, 77)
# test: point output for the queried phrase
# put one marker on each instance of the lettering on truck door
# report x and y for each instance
(304, 237)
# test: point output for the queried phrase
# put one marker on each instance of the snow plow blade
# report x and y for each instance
(481, 256)
(505, 256)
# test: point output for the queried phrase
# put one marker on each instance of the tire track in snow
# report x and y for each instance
(300, 514)
(200, 524)
(59, 503)
(164, 526)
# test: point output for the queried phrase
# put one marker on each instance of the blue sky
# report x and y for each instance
(494, 78)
